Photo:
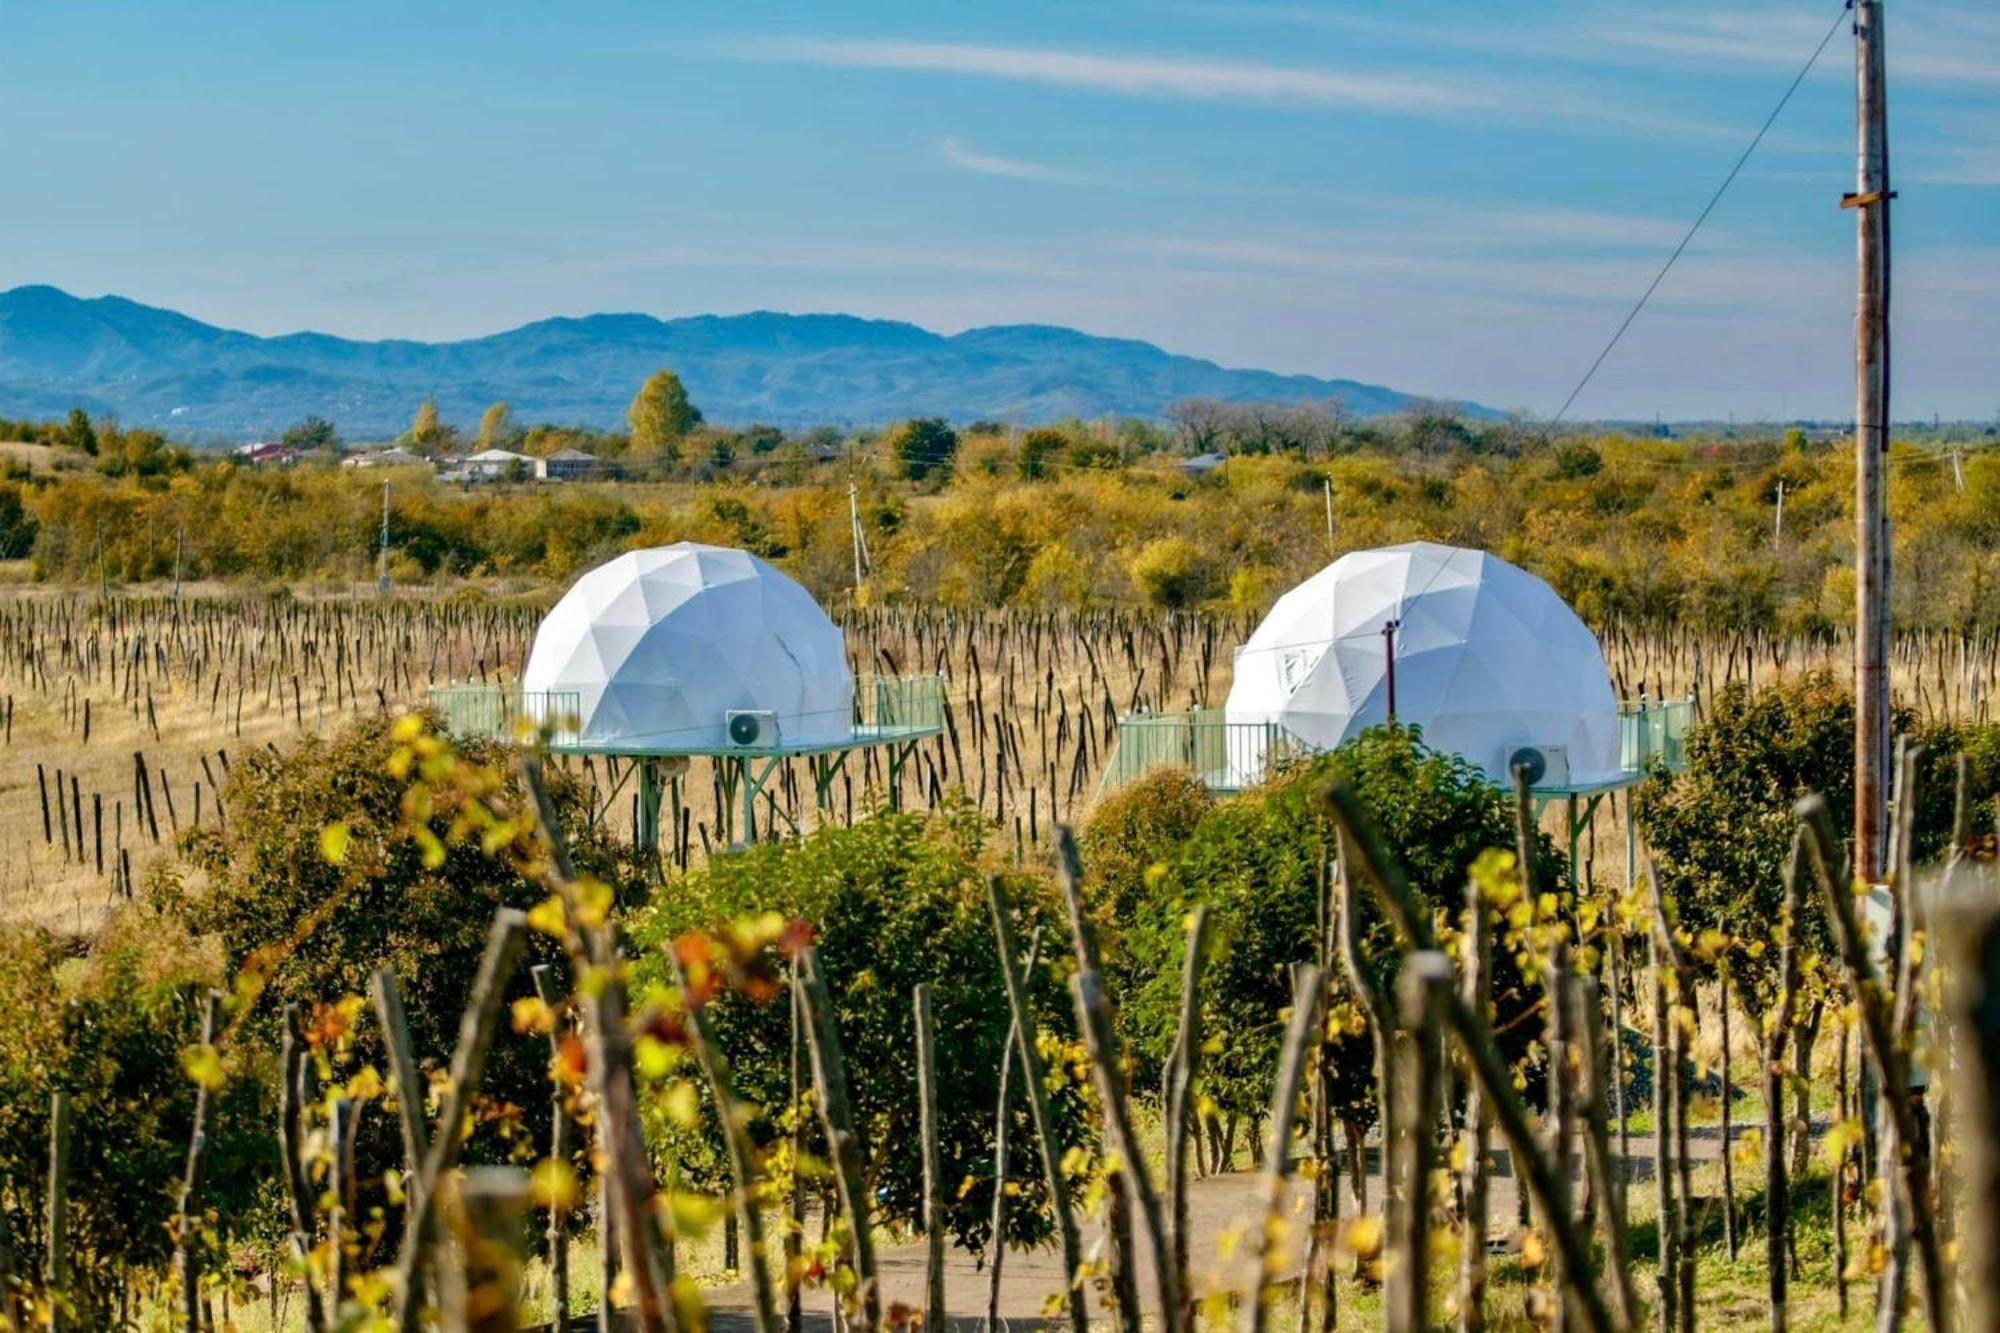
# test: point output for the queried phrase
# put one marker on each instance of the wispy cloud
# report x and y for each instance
(1444, 95)
(1010, 168)
(1138, 75)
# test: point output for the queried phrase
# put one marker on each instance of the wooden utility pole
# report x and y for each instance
(1870, 201)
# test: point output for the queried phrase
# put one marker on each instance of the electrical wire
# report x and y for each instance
(1713, 200)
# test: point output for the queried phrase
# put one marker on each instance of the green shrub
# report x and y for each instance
(109, 1029)
(1257, 861)
(314, 932)
(896, 900)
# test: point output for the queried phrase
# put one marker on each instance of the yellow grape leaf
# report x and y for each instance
(554, 1183)
(333, 843)
(204, 1065)
(1362, 1237)
(547, 916)
(682, 1103)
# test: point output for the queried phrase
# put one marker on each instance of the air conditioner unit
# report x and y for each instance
(1547, 765)
(751, 728)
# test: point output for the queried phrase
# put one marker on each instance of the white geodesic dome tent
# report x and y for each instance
(1488, 659)
(659, 645)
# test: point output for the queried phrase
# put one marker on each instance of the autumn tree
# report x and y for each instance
(427, 434)
(661, 416)
(496, 425)
(310, 433)
(77, 432)
(924, 446)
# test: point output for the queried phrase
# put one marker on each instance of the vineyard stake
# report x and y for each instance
(1381, 1033)
(57, 1270)
(1306, 991)
(1475, 964)
(608, 1045)
(1777, 1185)
(997, 1257)
(934, 1309)
(504, 942)
(480, 1285)
(1587, 1020)
(1679, 982)
(1972, 927)
(186, 1259)
(1422, 986)
(1034, 1083)
(1392, 890)
(1132, 1187)
(837, 1118)
(291, 1142)
(550, 994)
(1183, 1067)
(1884, 1051)
(403, 1074)
(736, 1140)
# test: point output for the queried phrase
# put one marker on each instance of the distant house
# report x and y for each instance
(268, 455)
(1202, 464)
(567, 464)
(497, 465)
(386, 458)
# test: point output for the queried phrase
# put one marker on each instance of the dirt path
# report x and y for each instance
(1218, 1209)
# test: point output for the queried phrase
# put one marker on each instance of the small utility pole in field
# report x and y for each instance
(382, 566)
(1870, 201)
(860, 542)
(1328, 483)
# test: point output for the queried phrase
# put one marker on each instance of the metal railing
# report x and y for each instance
(1654, 731)
(507, 712)
(883, 705)
(1231, 756)
(900, 703)
(1226, 756)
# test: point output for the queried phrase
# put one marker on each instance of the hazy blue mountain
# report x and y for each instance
(159, 368)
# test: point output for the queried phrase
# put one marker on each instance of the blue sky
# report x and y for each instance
(1452, 198)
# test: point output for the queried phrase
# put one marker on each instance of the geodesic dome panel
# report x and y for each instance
(659, 645)
(1488, 658)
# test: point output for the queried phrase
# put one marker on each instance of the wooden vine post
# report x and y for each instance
(837, 1118)
(741, 1151)
(1035, 1084)
(1422, 989)
(1299, 1032)
(1475, 1038)
(56, 1269)
(560, 1150)
(186, 1259)
(927, 1120)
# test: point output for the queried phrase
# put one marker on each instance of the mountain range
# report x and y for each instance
(154, 367)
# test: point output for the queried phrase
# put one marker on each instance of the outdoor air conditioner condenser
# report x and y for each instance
(751, 728)
(1547, 765)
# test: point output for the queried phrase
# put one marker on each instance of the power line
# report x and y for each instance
(1713, 200)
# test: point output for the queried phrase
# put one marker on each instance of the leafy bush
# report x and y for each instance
(896, 900)
(311, 931)
(109, 1030)
(1720, 833)
(1257, 861)
(1173, 573)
